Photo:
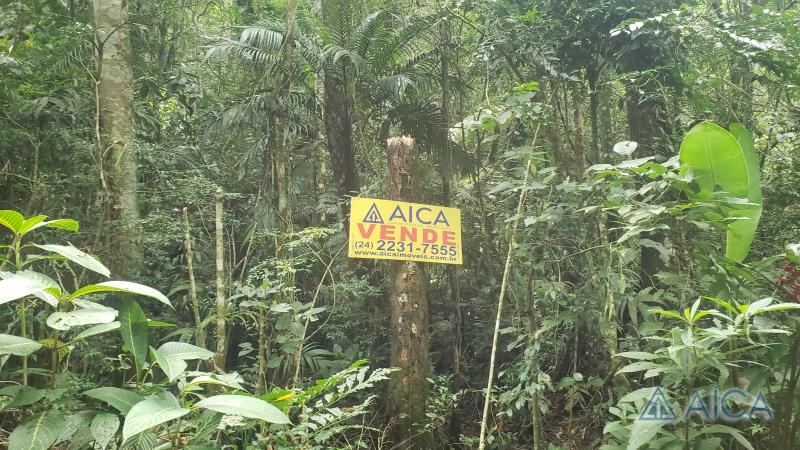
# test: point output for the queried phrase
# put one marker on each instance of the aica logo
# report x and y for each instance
(729, 405)
(658, 408)
(373, 215)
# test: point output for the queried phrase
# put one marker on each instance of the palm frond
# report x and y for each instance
(257, 57)
(366, 31)
(420, 118)
(268, 39)
(333, 53)
(404, 44)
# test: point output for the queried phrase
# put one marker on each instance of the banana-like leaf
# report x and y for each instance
(741, 232)
(725, 161)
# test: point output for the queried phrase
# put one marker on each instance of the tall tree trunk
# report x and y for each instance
(549, 88)
(648, 126)
(452, 298)
(339, 134)
(200, 335)
(605, 120)
(408, 389)
(593, 78)
(320, 156)
(742, 79)
(578, 129)
(446, 157)
(115, 103)
(222, 306)
(283, 176)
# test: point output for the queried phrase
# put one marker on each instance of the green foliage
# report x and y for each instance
(720, 163)
(607, 265)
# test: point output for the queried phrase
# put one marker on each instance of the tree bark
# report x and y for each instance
(115, 103)
(452, 298)
(222, 306)
(593, 77)
(200, 335)
(647, 125)
(579, 154)
(339, 134)
(408, 389)
(549, 88)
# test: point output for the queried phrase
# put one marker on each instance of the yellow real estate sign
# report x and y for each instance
(388, 229)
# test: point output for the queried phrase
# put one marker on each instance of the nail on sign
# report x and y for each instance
(388, 229)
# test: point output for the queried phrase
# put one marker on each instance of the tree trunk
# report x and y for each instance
(200, 335)
(579, 154)
(593, 78)
(339, 134)
(648, 126)
(452, 298)
(222, 306)
(408, 389)
(551, 128)
(283, 178)
(742, 78)
(115, 103)
(605, 102)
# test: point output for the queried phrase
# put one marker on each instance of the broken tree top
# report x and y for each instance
(389, 229)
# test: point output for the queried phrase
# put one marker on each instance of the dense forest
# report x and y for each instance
(176, 239)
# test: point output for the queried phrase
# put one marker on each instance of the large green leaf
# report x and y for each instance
(141, 441)
(244, 406)
(73, 426)
(23, 284)
(121, 286)
(65, 320)
(104, 427)
(11, 220)
(38, 433)
(97, 329)
(172, 367)
(172, 357)
(715, 158)
(61, 224)
(133, 328)
(121, 399)
(643, 431)
(150, 413)
(725, 161)
(29, 223)
(741, 232)
(16, 345)
(78, 257)
(21, 396)
(50, 294)
(182, 350)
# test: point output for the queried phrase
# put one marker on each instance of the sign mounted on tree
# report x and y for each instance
(389, 229)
